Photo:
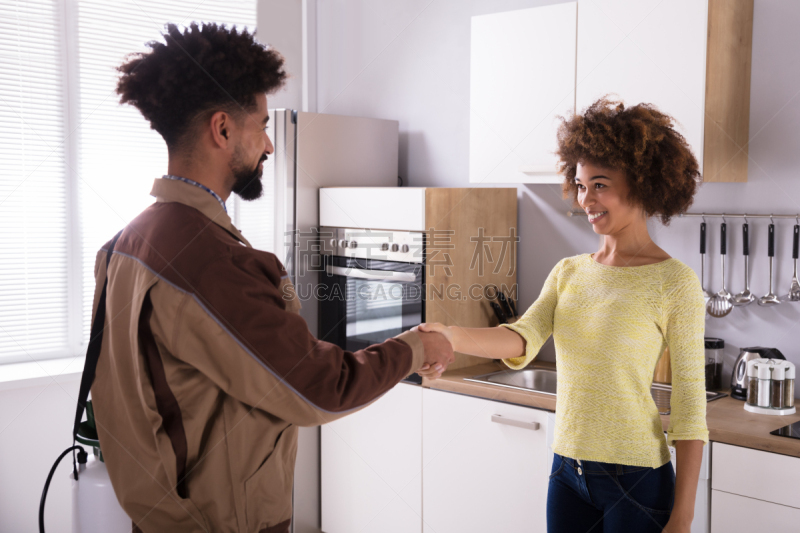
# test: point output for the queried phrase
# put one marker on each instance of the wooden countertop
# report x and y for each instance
(727, 420)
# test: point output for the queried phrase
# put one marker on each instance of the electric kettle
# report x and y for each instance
(739, 374)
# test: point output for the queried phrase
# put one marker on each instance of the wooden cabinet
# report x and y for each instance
(522, 76)
(371, 466)
(480, 474)
(691, 58)
(753, 490)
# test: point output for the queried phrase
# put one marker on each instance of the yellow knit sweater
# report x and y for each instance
(610, 325)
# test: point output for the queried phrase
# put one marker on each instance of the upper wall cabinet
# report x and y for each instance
(691, 58)
(522, 75)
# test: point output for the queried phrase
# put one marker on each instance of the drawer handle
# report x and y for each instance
(500, 419)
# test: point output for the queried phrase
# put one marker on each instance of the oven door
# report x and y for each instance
(366, 301)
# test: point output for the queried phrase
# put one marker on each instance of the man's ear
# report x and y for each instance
(220, 124)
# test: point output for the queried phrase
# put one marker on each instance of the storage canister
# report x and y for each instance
(788, 388)
(764, 377)
(714, 349)
(752, 382)
(777, 385)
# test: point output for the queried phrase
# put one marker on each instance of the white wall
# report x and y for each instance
(409, 60)
(35, 427)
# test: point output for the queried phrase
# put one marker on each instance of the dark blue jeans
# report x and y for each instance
(588, 496)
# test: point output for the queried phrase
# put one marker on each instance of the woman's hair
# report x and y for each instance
(196, 72)
(662, 172)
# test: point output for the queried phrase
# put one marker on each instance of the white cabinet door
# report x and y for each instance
(522, 75)
(371, 464)
(480, 475)
(733, 514)
(646, 51)
(756, 474)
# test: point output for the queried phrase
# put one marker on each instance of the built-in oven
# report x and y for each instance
(371, 287)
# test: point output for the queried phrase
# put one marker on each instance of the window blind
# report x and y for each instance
(34, 263)
(119, 155)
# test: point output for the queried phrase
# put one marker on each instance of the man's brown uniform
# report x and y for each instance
(206, 371)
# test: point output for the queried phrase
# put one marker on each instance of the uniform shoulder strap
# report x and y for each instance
(95, 343)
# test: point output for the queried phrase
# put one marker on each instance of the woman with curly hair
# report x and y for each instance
(612, 313)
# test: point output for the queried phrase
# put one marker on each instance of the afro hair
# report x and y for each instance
(205, 68)
(662, 172)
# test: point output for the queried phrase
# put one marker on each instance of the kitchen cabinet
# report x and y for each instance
(481, 472)
(731, 513)
(522, 76)
(371, 466)
(753, 488)
(691, 58)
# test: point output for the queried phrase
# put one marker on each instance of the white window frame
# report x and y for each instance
(67, 11)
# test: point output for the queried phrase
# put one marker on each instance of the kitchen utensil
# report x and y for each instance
(720, 305)
(512, 305)
(794, 291)
(706, 294)
(745, 297)
(504, 305)
(739, 374)
(771, 298)
(498, 312)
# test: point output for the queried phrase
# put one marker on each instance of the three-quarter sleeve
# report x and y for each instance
(683, 324)
(536, 325)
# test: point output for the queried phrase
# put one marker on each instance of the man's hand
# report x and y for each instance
(438, 353)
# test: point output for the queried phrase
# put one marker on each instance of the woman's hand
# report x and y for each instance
(426, 370)
(677, 525)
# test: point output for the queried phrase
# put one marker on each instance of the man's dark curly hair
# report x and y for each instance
(662, 172)
(195, 73)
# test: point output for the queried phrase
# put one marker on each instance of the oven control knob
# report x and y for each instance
(343, 243)
(353, 244)
(333, 243)
(385, 247)
(404, 248)
(395, 247)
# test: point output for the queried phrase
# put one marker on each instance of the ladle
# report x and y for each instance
(794, 291)
(771, 298)
(706, 294)
(720, 305)
(745, 297)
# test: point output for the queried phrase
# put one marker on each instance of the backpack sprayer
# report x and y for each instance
(95, 508)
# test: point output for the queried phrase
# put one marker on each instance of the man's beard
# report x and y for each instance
(247, 181)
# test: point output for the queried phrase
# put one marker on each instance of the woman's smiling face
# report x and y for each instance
(603, 194)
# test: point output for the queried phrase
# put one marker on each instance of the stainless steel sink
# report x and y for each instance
(543, 380)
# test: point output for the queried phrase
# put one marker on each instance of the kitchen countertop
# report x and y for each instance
(727, 420)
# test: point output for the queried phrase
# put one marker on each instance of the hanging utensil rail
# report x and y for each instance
(712, 215)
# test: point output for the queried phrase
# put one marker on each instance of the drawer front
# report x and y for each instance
(763, 475)
(731, 513)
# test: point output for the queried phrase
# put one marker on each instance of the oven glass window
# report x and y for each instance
(356, 313)
(375, 310)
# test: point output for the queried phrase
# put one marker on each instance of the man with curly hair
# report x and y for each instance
(612, 313)
(206, 369)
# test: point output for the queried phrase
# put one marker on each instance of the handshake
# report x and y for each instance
(438, 342)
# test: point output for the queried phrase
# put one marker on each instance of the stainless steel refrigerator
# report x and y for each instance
(312, 150)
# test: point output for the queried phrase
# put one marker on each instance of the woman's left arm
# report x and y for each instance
(689, 455)
(684, 329)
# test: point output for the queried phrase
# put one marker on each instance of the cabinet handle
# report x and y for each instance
(500, 419)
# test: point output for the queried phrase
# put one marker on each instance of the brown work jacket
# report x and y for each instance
(207, 370)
